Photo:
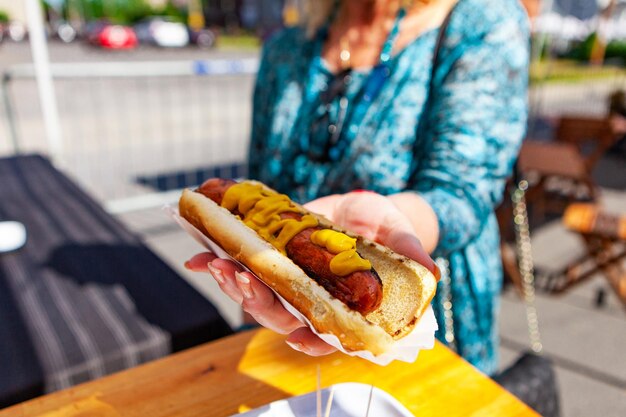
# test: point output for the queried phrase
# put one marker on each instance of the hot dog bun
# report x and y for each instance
(408, 287)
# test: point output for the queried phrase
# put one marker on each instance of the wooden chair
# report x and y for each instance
(557, 175)
(593, 136)
(604, 236)
(560, 172)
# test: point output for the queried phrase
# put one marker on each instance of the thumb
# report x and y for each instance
(324, 206)
(408, 245)
(199, 262)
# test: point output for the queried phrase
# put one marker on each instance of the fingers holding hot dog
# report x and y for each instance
(199, 262)
(261, 303)
(245, 289)
(304, 340)
(221, 270)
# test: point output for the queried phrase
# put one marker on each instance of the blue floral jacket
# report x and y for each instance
(450, 133)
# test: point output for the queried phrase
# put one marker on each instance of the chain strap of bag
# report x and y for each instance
(526, 268)
(531, 378)
(445, 290)
(525, 263)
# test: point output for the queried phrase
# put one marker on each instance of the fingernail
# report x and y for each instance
(296, 346)
(217, 274)
(436, 271)
(244, 285)
(187, 265)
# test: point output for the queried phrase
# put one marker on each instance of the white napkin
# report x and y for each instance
(405, 349)
(12, 236)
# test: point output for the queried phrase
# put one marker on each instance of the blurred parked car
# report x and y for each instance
(203, 38)
(64, 31)
(161, 31)
(110, 36)
(16, 31)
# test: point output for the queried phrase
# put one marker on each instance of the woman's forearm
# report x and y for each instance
(422, 217)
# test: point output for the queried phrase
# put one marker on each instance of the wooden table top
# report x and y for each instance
(251, 369)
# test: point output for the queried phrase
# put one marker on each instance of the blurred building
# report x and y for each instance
(581, 9)
(262, 16)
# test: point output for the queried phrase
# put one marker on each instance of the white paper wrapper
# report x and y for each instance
(405, 349)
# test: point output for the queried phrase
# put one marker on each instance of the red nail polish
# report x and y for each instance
(436, 271)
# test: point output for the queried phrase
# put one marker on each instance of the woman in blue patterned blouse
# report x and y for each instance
(353, 101)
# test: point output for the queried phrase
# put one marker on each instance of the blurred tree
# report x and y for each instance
(615, 50)
(173, 10)
(127, 11)
(73, 11)
(598, 49)
(118, 11)
(90, 9)
(582, 51)
(195, 19)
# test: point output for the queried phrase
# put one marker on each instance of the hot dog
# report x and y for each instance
(356, 289)
(359, 290)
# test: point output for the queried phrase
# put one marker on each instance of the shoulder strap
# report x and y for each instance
(440, 38)
(435, 63)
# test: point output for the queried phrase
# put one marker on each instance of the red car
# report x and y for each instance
(107, 35)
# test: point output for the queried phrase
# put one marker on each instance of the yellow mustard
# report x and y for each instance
(347, 262)
(261, 211)
(332, 240)
(346, 259)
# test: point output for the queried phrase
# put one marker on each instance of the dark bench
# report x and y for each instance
(84, 297)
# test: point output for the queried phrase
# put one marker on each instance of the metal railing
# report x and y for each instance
(131, 131)
(583, 91)
(569, 93)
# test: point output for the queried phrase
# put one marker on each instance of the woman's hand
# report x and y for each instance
(369, 214)
(380, 219)
(259, 301)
